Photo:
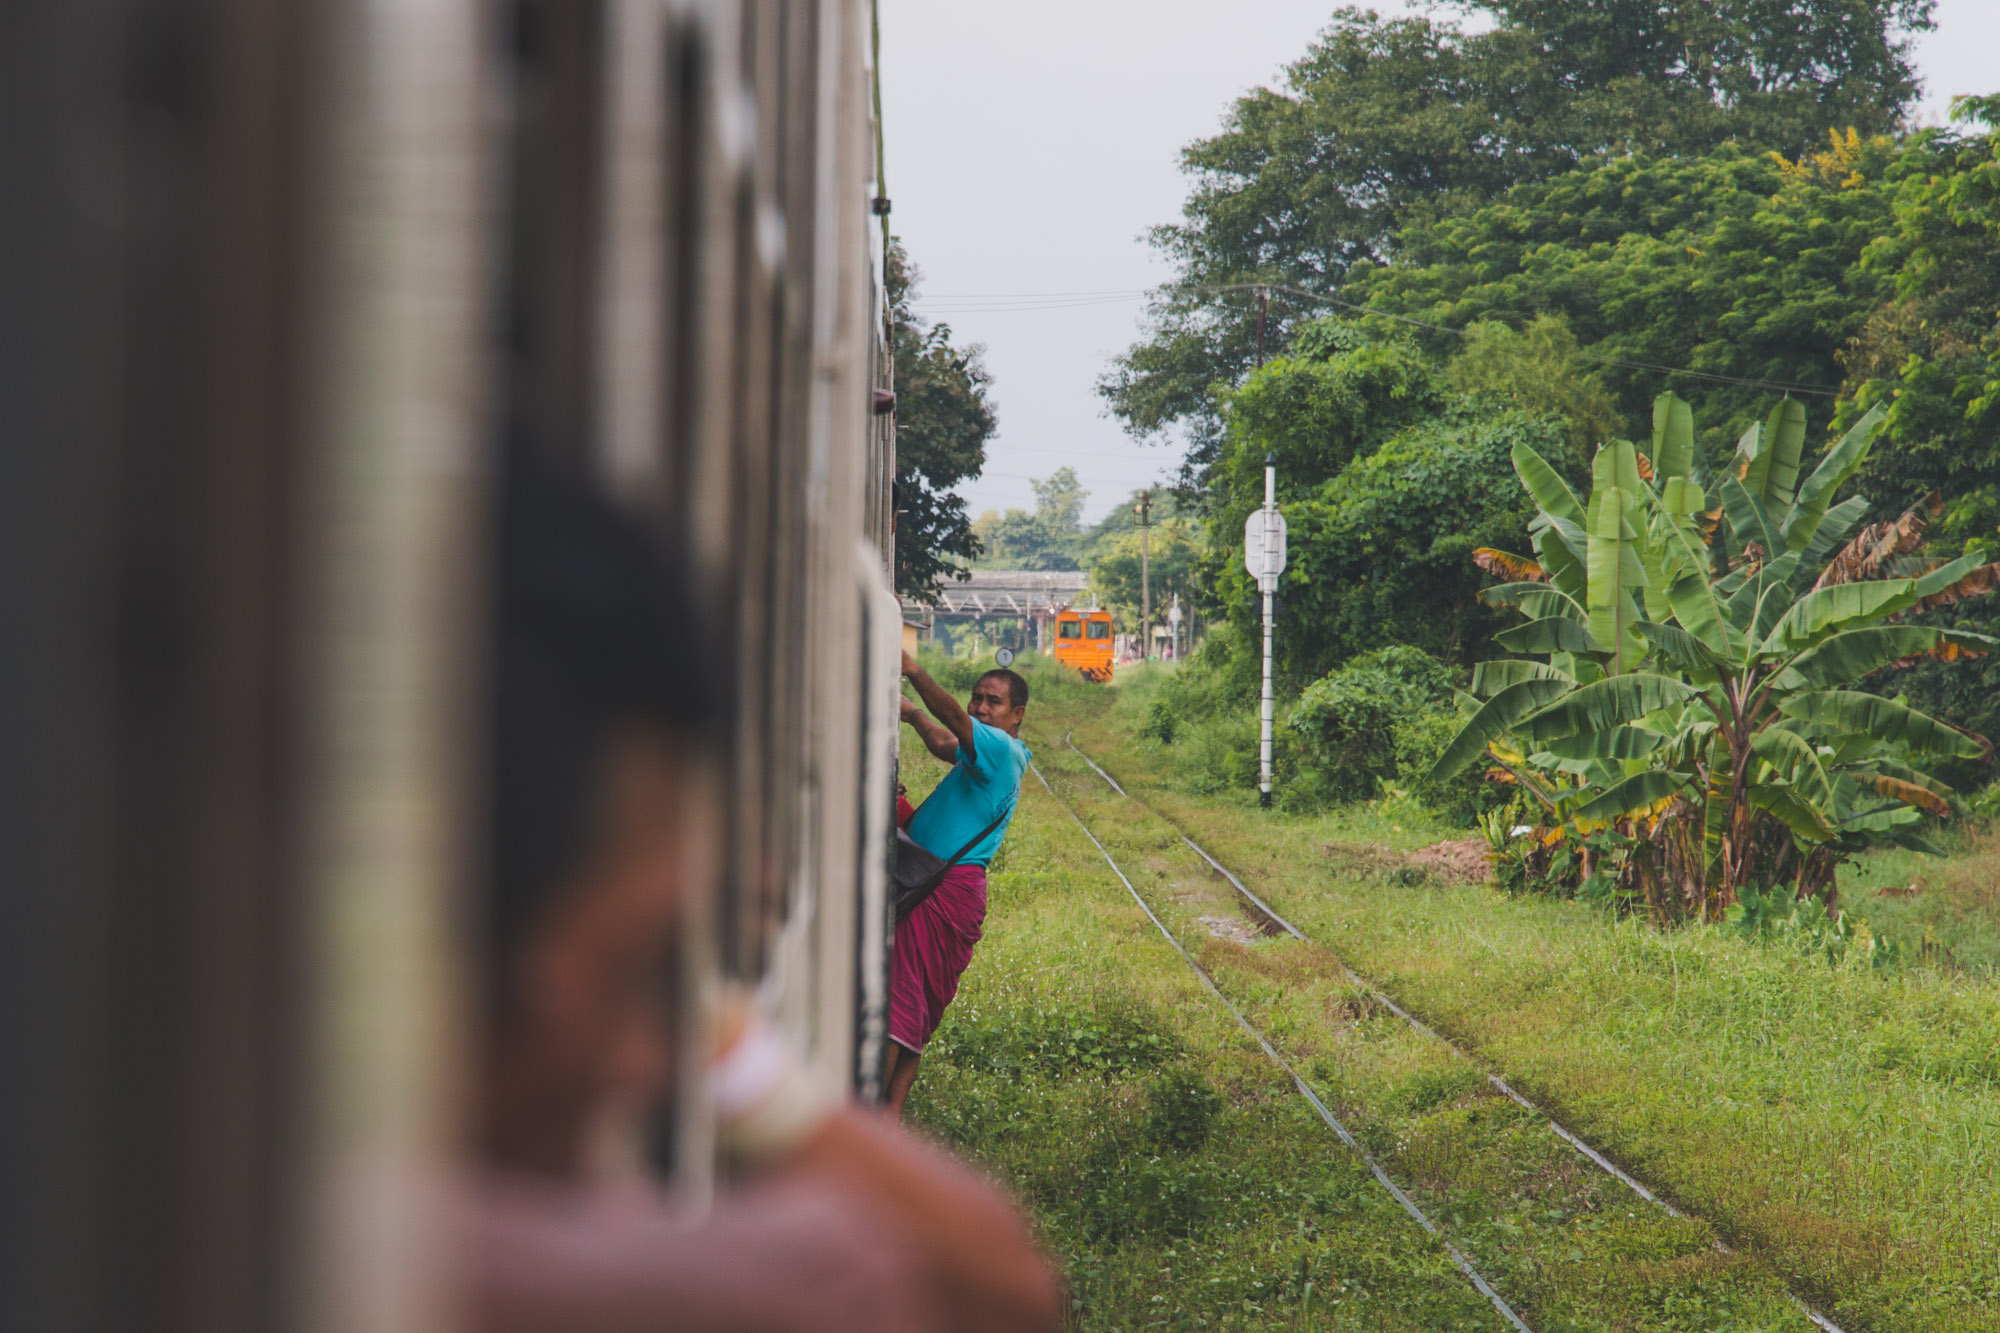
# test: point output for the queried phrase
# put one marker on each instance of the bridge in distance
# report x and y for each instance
(1028, 594)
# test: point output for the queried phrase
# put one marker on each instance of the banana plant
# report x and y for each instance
(1688, 662)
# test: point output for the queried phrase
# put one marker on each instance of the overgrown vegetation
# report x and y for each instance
(1827, 1112)
(1532, 287)
(1189, 1186)
(1689, 685)
(1392, 129)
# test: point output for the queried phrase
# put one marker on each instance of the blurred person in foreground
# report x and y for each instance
(601, 731)
(968, 811)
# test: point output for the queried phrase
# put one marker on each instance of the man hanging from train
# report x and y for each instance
(963, 821)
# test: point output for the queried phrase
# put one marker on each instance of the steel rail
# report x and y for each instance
(1305, 1089)
(1375, 993)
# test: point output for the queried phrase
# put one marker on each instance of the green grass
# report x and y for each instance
(1840, 1125)
(1177, 1176)
(1946, 913)
(1182, 1181)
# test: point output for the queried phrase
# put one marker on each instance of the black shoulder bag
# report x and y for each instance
(919, 872)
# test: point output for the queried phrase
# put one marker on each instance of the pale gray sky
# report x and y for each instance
(1032, 143)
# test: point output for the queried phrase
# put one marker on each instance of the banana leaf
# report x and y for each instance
(1883, 821)
(1747, 518)
(1792, 810)
(1794, 759)
(1641, 791)
(1562, 564)
(1552, 494)
(1552, 634)
(1910, 793)
(1883, 719)
(1751, 463)
(1673, 438)
(1841, 463)
(1537, 600)
(1618, 743)
(1852, 654)
(1489, 678)
(1682, 650)
(1743, 605)
(1683, 497)
(1840, 521)
(1941, 578)
(1819, 615)
(1784, 437)
(1653, 563)
(1615, 464)
(1614, 564)
(1901, 772)
(1495, 718)
(1608, 703)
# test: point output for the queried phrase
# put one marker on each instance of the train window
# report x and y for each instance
(1100, 629)
(1069, 629)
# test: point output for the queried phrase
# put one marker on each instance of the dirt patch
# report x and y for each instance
(1462, 860)
(1231, 928)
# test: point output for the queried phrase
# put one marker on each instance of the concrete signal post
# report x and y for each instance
(1264, 558)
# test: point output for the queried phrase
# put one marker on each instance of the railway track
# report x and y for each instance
(1304, 1088)
(1263, 909)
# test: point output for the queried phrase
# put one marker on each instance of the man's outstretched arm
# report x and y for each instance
(943, 707)
(941, 743)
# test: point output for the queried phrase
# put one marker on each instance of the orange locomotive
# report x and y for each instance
(1083, 641)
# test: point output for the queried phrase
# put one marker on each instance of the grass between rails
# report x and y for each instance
(1843, 1124)
(1175, 1172)
(1568, 1246)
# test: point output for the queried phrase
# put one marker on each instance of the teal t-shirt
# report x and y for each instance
(980, 786)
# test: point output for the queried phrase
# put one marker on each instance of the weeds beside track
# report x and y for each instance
(1305, 1089)
(1841, 1122)
(1267, 912)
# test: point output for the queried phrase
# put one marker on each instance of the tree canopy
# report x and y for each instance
(1052, 537)
(1393, 123)
(943, 421)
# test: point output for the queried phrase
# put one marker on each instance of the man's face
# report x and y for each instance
(993, 703)
(592, 1025)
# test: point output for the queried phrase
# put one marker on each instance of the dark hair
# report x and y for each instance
(591, 633)
(1017, 685)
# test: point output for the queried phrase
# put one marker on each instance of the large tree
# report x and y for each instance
(1930, 357)
(1391, 122)
(1733, 265)
(1388, 481)
(943, 421)
(1050, 538)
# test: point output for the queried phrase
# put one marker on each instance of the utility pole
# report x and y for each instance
(1263, 301)
(1264, 559)
(1144, 509)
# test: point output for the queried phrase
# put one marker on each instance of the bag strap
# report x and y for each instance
(979, 837)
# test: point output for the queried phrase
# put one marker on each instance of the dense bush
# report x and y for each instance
(1384, 717)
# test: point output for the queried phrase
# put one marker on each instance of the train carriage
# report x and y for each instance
(278, 281)
(1084, 641)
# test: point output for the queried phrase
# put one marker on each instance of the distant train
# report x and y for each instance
(1084, 641)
